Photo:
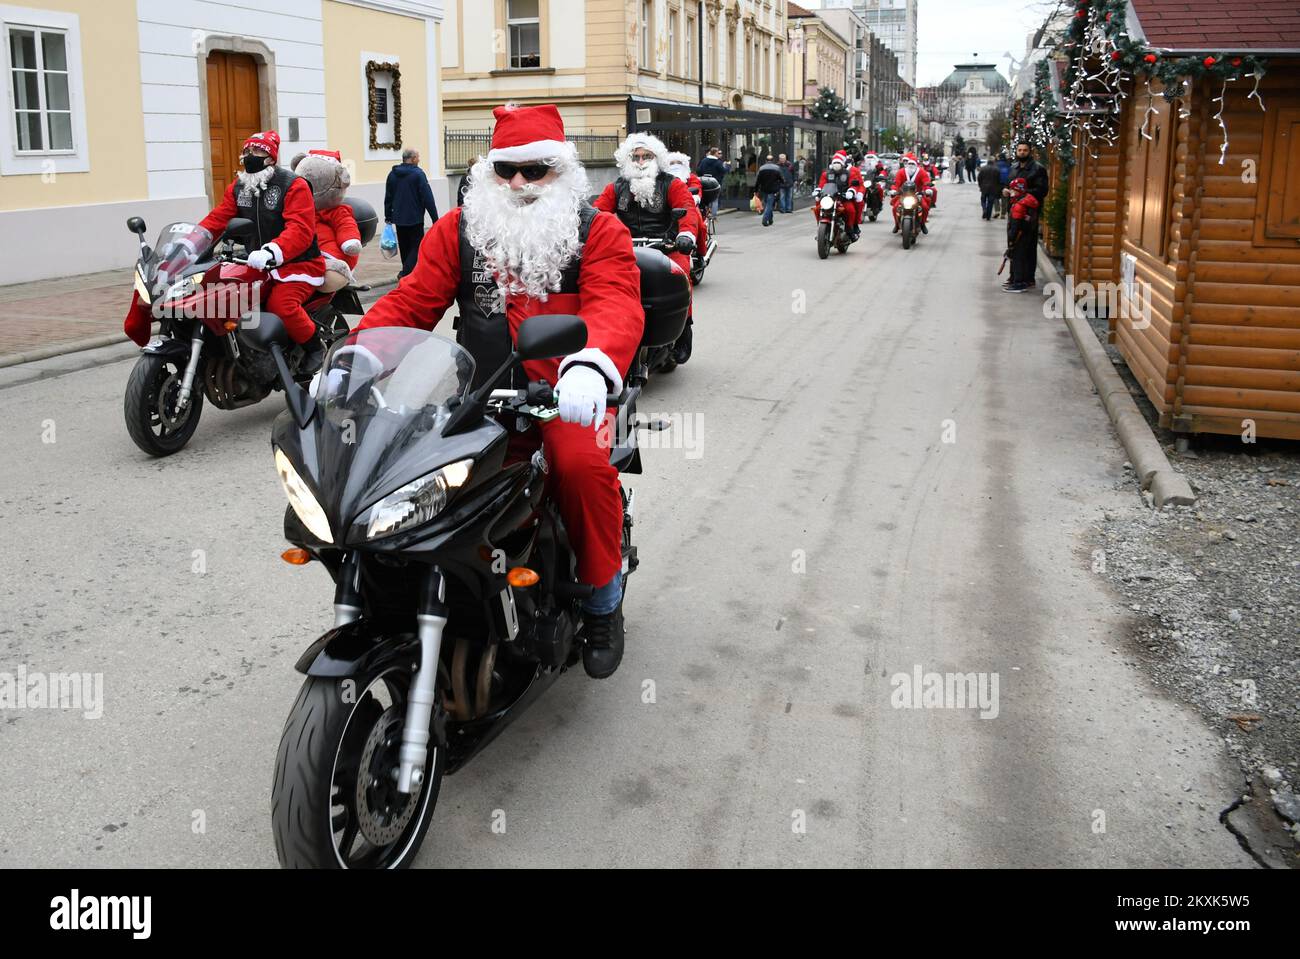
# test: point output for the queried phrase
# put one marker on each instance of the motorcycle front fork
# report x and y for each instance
(431, 619)
(187, 378)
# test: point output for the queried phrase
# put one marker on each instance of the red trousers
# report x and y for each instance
(583, 483)
(852, 212)
(285, 300)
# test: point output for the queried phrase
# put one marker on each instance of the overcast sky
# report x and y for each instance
(955, 31)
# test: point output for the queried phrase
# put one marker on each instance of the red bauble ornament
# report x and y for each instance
(1115, 55)
(1236, 61)
(1108, 18)
(1209, 61)
(1080, 14)
(1150, 58)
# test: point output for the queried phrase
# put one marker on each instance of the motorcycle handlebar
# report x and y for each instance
(543, 394)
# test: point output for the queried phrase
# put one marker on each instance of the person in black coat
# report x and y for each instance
(990, 183)
(1024, 258)
(770, 180)
(407, 197)
(713, 165)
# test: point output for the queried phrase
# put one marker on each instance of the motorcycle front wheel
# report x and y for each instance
(823, 240)
(334, 799)
(907, 233)
(149, 405)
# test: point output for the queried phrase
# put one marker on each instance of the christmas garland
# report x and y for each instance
(1098, 39)
(373, 67)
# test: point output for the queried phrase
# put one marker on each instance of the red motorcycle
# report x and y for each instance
(832, 228)
(206, 300)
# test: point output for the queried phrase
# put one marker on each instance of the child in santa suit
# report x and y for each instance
(337, 233)
(1021, 236)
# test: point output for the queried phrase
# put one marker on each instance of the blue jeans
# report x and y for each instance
(986, 204)
(605, 599)
(769, 205)
(787, 199)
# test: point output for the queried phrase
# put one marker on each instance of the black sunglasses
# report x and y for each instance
(532, 172)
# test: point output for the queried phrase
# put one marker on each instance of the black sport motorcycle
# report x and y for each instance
(908, 213)
(206, 298)
(875, 196)
(456, 596)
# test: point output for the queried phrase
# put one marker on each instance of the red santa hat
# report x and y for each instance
(267, 140)
(326, 153)
(527, 134)
(909, 157)
(840, 157)
(1018, 185)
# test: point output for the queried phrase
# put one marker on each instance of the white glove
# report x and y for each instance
(582, 393)
(260, 259)
(352, 247)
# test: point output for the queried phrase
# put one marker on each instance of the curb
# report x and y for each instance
(1154, 473)
(118, 339)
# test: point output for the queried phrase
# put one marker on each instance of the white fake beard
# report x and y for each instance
(526, 246)
(642, 182)
(254, 182)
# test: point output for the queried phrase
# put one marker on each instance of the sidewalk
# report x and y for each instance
(49, 312)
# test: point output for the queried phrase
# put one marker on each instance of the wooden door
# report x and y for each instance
(234, 113)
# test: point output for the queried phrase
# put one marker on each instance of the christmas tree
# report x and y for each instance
(829, 107)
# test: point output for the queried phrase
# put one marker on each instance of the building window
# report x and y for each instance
(43, 128)
(732, 73)
(711, 55)
(42, 109)
(672, 43)
(690, 47)
(767, 70)
(384, 105)
(524, 28)
(646, 51)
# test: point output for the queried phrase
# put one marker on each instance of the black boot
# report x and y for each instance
(602, 642)
(897, 226)
(313, 355)
(682, 348)
(924, 228)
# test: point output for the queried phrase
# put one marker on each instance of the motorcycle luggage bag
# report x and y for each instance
(709, 189)
(367, 219)
(665, 297)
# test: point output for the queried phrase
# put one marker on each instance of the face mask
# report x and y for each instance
(254, 164)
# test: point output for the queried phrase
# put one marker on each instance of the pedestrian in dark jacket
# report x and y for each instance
(1028, 177)
(1004, 173)
(407, 197)
(990, 182)
(767, 186)
(713, 165)
(787, 184)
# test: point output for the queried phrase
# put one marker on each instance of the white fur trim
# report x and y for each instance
(298, 278)
(645, 141)
(605, 364)
(275, 251)
(351, 247)
(530, 152)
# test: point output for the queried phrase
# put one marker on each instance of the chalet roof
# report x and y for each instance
(1241, 26)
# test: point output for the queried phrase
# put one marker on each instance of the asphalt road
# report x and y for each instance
(890, 465)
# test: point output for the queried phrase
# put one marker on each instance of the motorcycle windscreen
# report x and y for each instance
(383, 397)
(179, 246)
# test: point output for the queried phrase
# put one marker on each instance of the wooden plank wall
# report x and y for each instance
(1095, 212)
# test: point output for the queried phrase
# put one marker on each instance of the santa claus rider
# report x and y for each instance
(841, 179)
(679, 165)
(283, 213)
(644, 197)
(526, 242)
(911, 172)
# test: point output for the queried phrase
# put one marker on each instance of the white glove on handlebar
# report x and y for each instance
(260, 259)
(582, 394)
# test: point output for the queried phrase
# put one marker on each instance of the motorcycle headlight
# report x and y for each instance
(301, 499)
(417, 502)
(909, 202)
(828, 203)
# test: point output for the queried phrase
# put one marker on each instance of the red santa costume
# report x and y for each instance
(645, 195)
(283, 212)
(508, 254)
(679, 165)
(844, 178)
(917, 176)
(337, 233)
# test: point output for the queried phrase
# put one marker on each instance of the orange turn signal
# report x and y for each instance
(296, 557)
(522, 576)
(230, 325)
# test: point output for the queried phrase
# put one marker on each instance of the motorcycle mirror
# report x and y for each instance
(552, 334)
(136, 225)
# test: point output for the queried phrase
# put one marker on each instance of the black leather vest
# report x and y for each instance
(837, 183)
(650, 219)
(482, 327)
(266, 210)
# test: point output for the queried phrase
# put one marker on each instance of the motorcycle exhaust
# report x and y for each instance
(708, 254)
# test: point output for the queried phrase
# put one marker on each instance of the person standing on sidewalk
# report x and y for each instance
(787, 184)
(407, 197)
(767, 186)
(1034, 177)
(713, 165)
(1004, 173)
(990, 183)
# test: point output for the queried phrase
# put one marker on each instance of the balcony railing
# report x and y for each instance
(460, 147)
